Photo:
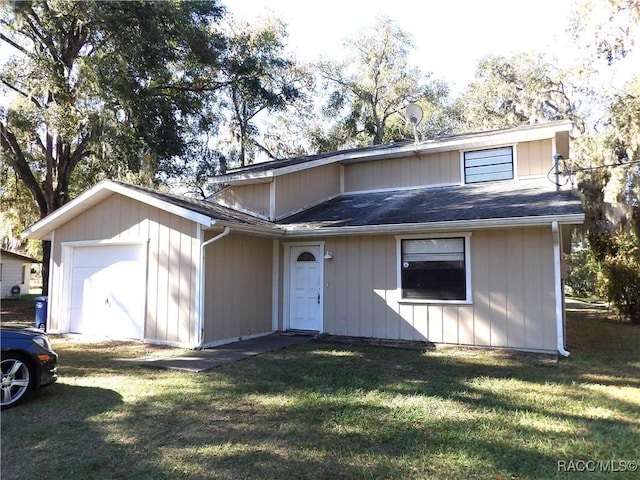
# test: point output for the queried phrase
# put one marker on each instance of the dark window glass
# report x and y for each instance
(434, 269)
(306, 257)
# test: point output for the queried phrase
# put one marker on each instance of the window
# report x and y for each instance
(306, 257)
(435, 269)
(488, 165)
(24, 273)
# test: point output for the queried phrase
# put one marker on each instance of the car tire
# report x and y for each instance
(17, 379)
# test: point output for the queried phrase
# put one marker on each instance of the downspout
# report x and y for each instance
(558, 289)
(203, 257)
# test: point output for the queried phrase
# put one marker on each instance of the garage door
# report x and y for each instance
(107, 291)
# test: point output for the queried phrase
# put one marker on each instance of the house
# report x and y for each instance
(15, 274)
(456, 240)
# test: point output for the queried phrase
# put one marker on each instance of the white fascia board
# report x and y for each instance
(274, 232)
(142, 197)
(265, 176)
(479, 140)
(97, 193)
(249, 178)
(519, 222)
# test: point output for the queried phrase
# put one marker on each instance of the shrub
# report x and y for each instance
(582, 276)
(621, 272)
(584, 273)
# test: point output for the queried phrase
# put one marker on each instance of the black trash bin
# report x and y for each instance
(41, 312)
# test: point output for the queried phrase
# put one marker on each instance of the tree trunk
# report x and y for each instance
(50, 194)
(46, 258)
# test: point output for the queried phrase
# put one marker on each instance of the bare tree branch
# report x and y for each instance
(20, 164)
(21, 93)
(6, 39)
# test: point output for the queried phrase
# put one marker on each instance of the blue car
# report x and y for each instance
(27, 361)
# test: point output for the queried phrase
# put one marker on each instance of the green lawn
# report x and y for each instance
(322, 410)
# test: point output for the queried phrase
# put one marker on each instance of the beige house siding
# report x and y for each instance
(535, 158)
(562, 142)
(252, 198)
(173, 254)
(512, 282)
(298, 190)
(430, 169)
(302, 189)
(238, 287)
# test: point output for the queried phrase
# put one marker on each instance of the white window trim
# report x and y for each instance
(514, 150)
(467, 265)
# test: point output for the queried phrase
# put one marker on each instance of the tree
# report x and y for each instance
(101, 87)
(625, 121)
(613, 226)
(17, 212)
(605, 31)
(372, 86)
(258, 78)
(607, 163)
(511, 91)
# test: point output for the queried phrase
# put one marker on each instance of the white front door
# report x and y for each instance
(107, 291)
(305, 309)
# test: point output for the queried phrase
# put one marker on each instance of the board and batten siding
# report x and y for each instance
(251, 198)
(238, 287)
(535, 158)
(512, 283)
(423, 170)
(172, 256)
(305, 188)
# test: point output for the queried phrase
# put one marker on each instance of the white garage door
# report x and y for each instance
(107, 291)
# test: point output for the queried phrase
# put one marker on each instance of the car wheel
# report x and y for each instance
(16, 379)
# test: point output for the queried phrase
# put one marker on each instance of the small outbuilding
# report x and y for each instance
(15, 274)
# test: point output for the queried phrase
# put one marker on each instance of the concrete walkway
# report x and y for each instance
(207, 359)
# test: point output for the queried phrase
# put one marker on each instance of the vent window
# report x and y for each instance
(488, 165)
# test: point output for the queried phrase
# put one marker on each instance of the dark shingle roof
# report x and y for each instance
(204, 207)
(473, 202)
(18, 256)
(508, 199)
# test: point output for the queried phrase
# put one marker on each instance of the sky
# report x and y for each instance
(449, 36)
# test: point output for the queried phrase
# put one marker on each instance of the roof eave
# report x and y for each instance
(42, 230)
(17, 256)
(481, 224)
(479, 140)
(274, 231)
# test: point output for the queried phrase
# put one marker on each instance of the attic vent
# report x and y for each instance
(488, 165)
